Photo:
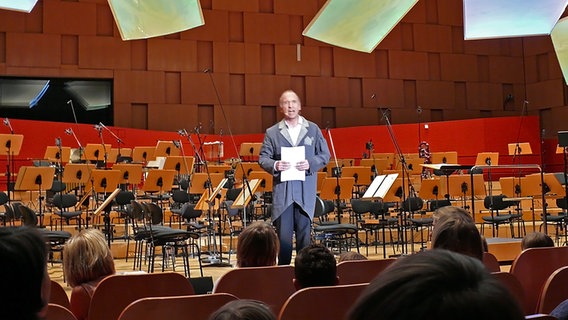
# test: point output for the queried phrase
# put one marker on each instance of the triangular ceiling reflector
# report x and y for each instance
(486, 19)
(142, 19)
(559, 38)
(358, 25)
(18, 5)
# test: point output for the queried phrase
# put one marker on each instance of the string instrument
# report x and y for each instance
(424, 153)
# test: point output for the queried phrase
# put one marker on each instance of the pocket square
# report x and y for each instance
(308, 141)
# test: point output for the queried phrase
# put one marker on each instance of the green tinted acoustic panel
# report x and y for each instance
(141, 19)
(357, 25)
(486, 19)
(559, 37)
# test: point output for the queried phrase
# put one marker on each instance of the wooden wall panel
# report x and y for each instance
(172, 55)
(242, 119)
(434, 66)
(219, 57)
(459, 67)
(546, 93)
(252, 58)
(417, 14)
(328, 92)
(69, 50)
(388, 93)
(22, 50)
(235, 5)
(296, 7)
(139, 86)
(354, 117)
(104, 53)
(199, 87)
(287, 63)
(267, 59)
(326, 62)
(427, 94)
(236, 28)
(355, 92)
(105, 21)
(483, 47)
(173, 87)
(215, 27)
(537, 45)
(408, 65)
(164, 117)
(266, 28)
(262, 90)
(236, 56)
(392, 41)
(62, 17)
(432, 38)
(450, 12)
(237, 89)
(11, 21)
(506, 69)
(485, 96)
(348, 63)
(531, 69)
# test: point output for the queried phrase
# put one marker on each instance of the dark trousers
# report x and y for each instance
(292, 219)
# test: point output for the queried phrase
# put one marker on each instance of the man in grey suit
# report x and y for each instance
(293, 200)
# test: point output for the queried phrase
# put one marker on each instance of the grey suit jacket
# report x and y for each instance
(317, 153)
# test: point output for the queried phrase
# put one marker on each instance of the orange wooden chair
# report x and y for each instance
(554, 291)
(58, 295)
(176, 308)
(58, 312)
(116, 292)
(361, 271)
(532, 267)
(512, 284)
(330, 303)
(271, 285)
(491, 262)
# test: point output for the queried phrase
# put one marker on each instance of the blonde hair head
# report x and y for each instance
(87, 257)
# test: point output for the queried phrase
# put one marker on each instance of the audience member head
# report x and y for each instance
(257, 245)
(25, 285)
(87, 257)
(436, 284)
(536, 240)
(454, 230)
(315, 266)
(243, 309)
(351, 255)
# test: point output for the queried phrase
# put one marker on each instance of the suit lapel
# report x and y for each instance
(284, 132)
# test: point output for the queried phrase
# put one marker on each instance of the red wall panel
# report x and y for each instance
(506, 69)
(459, 67)
(22, 50)
(104, 53)
(427, 96)
(139, 86)
(199, 87)
(408, 65)
(433, 38)
(389, 93)
(348, 63)
(262, 90)
(266, 28)
(327, 92)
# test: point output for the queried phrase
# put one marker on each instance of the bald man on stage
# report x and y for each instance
(294, 199)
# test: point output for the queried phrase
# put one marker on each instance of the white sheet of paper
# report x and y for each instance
(293, 155)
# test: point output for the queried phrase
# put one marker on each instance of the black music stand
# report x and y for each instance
(34, 178)
(12, 145)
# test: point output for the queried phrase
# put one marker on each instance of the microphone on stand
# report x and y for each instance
(69, 131)
(177, 143)
(182, 132)
(7, 124)
(98, 127)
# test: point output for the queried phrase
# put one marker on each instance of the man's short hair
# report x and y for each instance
(315, 266)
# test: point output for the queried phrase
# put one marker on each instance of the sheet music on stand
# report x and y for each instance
(380, 186)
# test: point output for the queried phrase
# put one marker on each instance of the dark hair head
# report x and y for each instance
(455, 230)
(23, 256)
(315, 266)
(436, 284)
(243, 309)
(257, 246)
(536, 240)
